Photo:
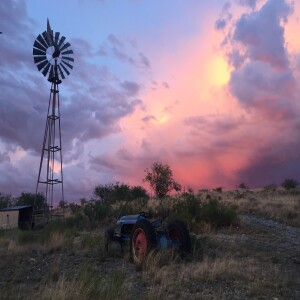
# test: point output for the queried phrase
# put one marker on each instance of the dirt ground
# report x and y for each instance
(23, 275)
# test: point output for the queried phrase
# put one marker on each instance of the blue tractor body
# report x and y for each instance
(143, 233)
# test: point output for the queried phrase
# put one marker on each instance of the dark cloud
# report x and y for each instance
(225, 17)
(4, 157)
(262, 78)
(144, 60)
(272, 163)
(114, 41)
(131, 88)
(119, 49)
(235, 58)
(259, 86)
(262, 34)
(249, 3)
(165, 85)
(264, 83)
(220, 24)
(213, 124)
(149, 118)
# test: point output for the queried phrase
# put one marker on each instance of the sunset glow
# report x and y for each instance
(209, 87)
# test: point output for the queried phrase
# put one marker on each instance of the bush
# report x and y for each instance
(97, 211)
(270, 187)
(75, 208)
(26, 237)
(193, 211)
(90, 242)
(290, 184)
(119, 192)
(218, 215)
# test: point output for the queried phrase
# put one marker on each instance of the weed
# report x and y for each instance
(88, 284)
(26, 237)
(90, 241)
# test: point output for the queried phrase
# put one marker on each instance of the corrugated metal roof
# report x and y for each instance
(15, 207)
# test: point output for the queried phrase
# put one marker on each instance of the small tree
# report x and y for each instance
(160, 178)
(37, 200)
(290, 184)
(119, 191)
(5, 200)
(62, 204)
(243, 186)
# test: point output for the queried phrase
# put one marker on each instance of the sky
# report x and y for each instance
(210, 88)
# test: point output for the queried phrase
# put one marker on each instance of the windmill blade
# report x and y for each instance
(42, 65)
(56, 37)
(65, 69)
(38, 52)
(61, 42)
(45, 36)
(67, 64)
(45, 71)
(66, 45)
(51, 73)
(67, 52)
(61, 72)
(41, 41)
(39, 46)
(38, 59)
(67, 58)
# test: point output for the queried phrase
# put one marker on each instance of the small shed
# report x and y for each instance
(16, 217)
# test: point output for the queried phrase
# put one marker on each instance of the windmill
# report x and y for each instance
(53, 58)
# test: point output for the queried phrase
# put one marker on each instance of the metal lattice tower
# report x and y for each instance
(53, 57)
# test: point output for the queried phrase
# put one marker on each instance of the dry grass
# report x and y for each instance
(279, 205)
(88, 283)
(248, 275)
(56, 241)
(221, 265)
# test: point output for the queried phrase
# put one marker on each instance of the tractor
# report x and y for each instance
(143, 233)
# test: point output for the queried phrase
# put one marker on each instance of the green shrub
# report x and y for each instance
(194, 212)
(95, 286)
(75, 208)
(188, 209)
(290, 184)
(112, 193)
(90, 241)
(218, 215)
(97, 211)
(26, 237)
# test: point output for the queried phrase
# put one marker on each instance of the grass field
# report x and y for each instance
(238, 260)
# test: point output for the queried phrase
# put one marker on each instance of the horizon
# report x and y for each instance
(209, 88)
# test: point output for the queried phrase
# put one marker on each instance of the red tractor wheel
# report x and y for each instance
(142, 241)
(179, 233)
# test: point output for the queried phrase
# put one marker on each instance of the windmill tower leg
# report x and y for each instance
(50, 169)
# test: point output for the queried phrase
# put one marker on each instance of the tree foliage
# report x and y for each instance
(160, 178)
(37, 200)
(5, 200)
(243, 186)
(119, 191)
(290, 184)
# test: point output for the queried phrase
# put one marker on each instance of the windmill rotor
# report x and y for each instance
(52, 55)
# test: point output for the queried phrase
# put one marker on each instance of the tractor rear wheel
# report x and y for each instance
(179, 233)
(142, 241)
